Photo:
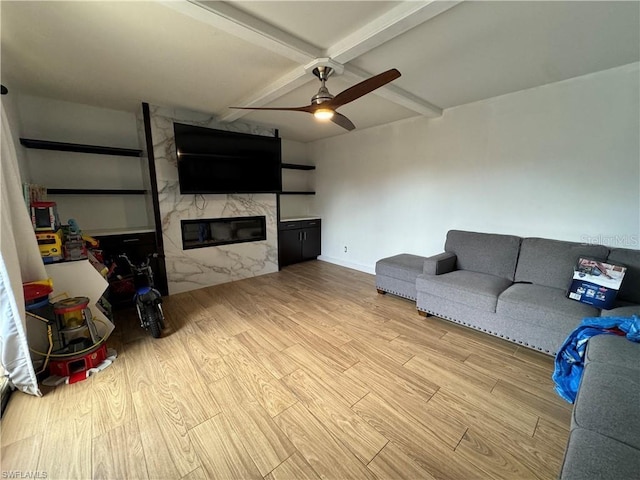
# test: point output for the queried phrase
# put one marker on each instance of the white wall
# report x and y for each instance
(47, 119)
(559, 161)
(295, 206)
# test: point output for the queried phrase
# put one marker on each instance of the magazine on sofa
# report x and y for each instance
(596, 283)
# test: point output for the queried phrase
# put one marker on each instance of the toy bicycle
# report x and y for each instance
(147, 298)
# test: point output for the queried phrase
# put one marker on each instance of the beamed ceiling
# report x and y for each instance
(208, 56)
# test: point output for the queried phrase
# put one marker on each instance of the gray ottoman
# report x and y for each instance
(397, 275)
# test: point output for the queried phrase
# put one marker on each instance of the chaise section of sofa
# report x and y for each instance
(397, 274)
(604, 441)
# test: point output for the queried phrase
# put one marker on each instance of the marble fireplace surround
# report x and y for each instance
(196, 268)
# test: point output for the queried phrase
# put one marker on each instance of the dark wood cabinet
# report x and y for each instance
(299, 240)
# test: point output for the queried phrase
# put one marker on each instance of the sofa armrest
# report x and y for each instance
(438, 264)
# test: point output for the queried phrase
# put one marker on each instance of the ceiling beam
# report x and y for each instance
(235, 22)
(396, 21)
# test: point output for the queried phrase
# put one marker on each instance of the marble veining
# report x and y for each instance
(197, 268)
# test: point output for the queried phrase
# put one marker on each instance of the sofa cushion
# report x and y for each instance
(613, 350)
(622, 310)
(403, 267)
(543, 306)
(488, 253)
(608, 401)
(590, 455)
(550, 263)
(630, 289)
(474, 289)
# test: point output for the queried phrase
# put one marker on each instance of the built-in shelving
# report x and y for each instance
(78, 147)
(296, 166)
(82, 148)
(94, 191)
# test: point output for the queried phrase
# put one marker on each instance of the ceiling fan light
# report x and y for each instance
(323, 114)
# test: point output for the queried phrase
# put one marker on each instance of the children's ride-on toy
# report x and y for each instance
(147, 299)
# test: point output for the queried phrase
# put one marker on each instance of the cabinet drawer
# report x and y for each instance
(109, 242)
(310, 223)
(290, 225)
(293, 224)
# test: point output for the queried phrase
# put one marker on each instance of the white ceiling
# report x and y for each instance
(209, 56)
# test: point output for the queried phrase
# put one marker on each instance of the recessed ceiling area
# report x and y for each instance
(209, 56)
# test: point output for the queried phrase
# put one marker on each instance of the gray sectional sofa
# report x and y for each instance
(516, 288)
(511, 287)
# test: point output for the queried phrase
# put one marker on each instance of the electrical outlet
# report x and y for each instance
(345, 249)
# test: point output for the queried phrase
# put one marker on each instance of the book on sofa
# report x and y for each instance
(596, 283)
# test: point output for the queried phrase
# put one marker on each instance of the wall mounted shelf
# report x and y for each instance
(295, 166)
(93, 191)
(297, 193)
(78, 147)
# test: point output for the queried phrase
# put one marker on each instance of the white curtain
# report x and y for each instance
(20, 262)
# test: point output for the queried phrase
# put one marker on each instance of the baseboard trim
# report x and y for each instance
(351, 265)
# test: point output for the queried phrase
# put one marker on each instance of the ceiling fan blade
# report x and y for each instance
(364, 87)
(307, 108)
(342, 121)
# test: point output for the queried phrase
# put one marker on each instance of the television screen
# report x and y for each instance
(217, 161)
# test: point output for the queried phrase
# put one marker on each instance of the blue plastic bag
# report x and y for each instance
(569, 362)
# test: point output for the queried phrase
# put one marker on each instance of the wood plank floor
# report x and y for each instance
(303, 374)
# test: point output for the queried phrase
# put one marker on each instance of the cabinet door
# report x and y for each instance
(290, 246)
(310, 243)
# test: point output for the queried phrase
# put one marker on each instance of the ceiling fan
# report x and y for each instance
(324, 105)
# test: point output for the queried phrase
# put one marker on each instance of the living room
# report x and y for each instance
(541, 142)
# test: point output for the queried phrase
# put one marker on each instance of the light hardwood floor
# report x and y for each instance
(303, 374)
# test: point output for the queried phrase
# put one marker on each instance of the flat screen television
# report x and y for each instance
(217, 161)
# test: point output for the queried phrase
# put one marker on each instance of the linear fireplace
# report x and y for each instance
(209, 232)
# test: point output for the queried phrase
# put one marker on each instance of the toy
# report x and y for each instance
(44, 216)
(50, 245)
(78, 350)
(93, 243)
(75, 324)
(74, 247)
(36, 294)
(148, 300)
(80, 367)
(79, 363)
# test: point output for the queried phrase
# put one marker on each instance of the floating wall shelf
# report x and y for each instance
(295, 166)
(78, 147)
(93, 191)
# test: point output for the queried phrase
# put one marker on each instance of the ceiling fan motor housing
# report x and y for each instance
(323, 95)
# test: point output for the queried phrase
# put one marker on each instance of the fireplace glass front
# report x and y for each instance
(210, 232)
